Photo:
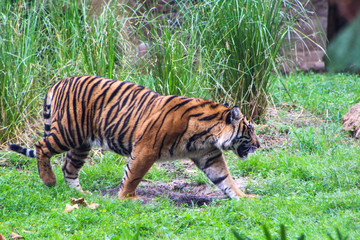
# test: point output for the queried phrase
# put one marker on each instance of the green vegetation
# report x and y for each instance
(310, 185)
(229, 46)
(307, 185)
(223, 50)
(44, 42)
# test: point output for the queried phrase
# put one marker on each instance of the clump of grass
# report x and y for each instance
(44, 41)
(248, 34)
(229, 46)
(176, 61)
(283, 236)
(19, 52)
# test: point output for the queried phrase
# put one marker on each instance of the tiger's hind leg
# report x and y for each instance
(74, 160)
(44, 151)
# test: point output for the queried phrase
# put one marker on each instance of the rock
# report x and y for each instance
(351, 121)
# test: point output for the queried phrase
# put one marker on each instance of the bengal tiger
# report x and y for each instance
(133, 121)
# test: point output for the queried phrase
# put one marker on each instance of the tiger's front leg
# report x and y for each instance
(214, 166)
(135, 170)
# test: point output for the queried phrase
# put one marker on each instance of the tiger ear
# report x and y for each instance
(234, 116)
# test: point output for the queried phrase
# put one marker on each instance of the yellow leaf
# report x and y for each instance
(93, 205)
(69, 208)
(16, 236)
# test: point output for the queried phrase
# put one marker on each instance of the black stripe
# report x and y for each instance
(73, 178)
(84, 86)
(92, 89)
(75, 113)
(115, 91)
(68, 129)
(81, 155)
(211, 161)
(77, 164)
(57, 141)
(83, 116)
(174, 108)
(124, 99)
(210, 117)
(128, 167)
(214, 105)
(194, 137)
(194, 107)
(169, 99)
(178, 139)
(32, 153)
(80, 86)
(51, 149)
(162, 145)
(136, 179)
(47, 127)
(219, 179)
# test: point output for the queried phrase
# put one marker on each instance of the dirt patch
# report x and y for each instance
(180, 191)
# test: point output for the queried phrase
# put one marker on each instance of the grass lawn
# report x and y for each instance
(307, 180)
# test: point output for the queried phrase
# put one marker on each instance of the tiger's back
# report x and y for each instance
(134, 121)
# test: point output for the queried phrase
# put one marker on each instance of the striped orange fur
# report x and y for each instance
(133, 121)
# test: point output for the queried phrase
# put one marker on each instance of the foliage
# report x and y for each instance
(313, 191)
(224, 50)
(327, 95)
(47, 40)
(231, 46)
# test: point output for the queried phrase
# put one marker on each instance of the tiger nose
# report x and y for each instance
(257, 143)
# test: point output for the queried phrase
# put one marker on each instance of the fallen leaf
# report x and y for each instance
(16, 236)
(2, 237)
(80, 201)
(69, 208)
(93, 205)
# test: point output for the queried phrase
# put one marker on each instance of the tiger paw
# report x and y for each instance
(251, 196)
(242, 196)
(48, 179)
(129, 196)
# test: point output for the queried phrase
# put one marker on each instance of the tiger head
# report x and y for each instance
(244, 141)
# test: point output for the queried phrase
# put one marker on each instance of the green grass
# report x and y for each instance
(311, 186)
(214, 51)
(229, 46)
(329, 96)
(42, 42)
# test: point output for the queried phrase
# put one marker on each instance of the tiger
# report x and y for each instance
(141, 124)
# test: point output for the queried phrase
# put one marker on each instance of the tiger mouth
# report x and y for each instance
(243, 151)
